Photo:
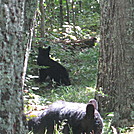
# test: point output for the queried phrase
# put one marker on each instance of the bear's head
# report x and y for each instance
(44, 52)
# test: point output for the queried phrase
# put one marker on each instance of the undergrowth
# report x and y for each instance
(82, 67)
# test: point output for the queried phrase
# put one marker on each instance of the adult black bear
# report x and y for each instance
(78, 116)
(51, 68)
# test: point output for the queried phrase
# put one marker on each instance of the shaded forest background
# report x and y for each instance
(67, 27)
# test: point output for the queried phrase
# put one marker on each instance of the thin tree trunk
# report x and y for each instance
(73, 17)
(29, 18)
(61, 13)
(80, 4)
(68, 15)
(42, 25)
(116, 63)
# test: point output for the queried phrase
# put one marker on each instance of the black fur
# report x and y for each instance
(79, 117)
(91, 42)
(53, 69)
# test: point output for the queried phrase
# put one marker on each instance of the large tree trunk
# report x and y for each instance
(116, 63)
(11, 66)
(12, 50)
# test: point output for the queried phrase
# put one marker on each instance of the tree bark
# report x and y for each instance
(116, 62)
(12, 51)
(73, 17)
(68, 14)
(42, 25)
(11, 67)
(61, 13)
(29, 18)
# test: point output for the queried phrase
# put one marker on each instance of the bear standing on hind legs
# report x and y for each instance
(53, 69)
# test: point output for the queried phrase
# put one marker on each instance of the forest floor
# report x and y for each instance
(81, 64)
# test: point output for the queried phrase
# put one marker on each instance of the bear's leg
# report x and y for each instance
(42, 75)
(66, 81)
(66, 129)
(50, 128)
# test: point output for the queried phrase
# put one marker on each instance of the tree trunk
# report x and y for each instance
(61, 13)
(68, 14)
(11, 67)
(73, 17)
(116, 62)
(29, 18)
(42, 16)
(12, 50)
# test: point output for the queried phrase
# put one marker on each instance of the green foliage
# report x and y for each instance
(84, 14)
(82, 67)
(80, 63)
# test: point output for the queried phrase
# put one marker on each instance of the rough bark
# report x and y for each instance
(116, 62)
(11, 66)
(12, 51)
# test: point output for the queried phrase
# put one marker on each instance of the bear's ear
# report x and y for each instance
(90, 111)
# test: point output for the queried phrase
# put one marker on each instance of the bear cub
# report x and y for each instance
(51, 68)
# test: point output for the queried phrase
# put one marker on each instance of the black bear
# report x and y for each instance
(51, 68)
(90, 42)
(99, 121)
(81, 118)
